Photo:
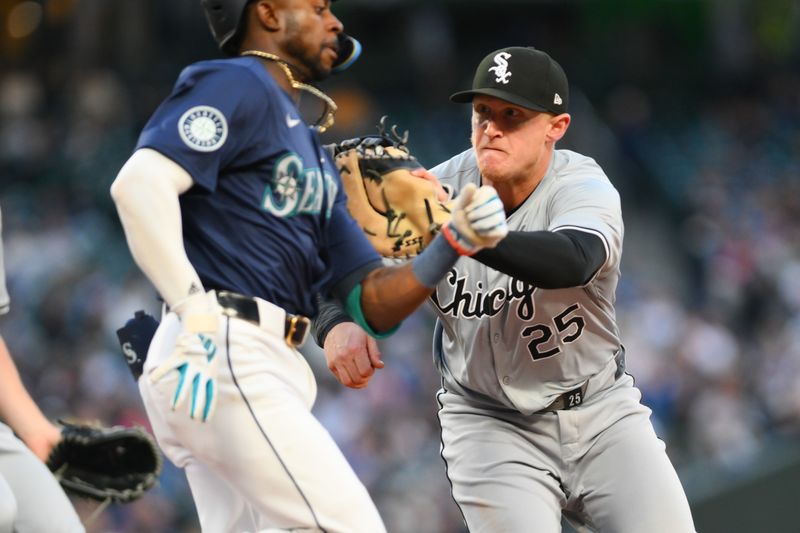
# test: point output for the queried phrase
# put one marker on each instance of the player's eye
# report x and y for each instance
(481, 110)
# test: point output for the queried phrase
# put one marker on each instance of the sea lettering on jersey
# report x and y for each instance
(296, 190)
(477, 304)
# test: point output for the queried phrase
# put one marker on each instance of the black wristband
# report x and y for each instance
(330, 314)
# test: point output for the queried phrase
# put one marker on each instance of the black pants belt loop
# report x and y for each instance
(575, 397)
(296, 328)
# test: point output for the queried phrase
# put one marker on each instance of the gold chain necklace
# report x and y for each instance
(325, 120)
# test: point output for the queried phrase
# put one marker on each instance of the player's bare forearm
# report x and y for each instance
(390, 294)
(15, 402)
(19, 410)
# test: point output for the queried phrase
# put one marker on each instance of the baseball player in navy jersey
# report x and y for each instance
(31, 500)
(538, 417)
(237, 216)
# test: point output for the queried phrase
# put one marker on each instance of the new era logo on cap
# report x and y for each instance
(523, 76)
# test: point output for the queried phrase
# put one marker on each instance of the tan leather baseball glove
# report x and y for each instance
(399, 212)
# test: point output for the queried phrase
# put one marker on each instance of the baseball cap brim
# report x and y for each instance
(465, 97)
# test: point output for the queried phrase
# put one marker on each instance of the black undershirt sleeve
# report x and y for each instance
(331, 308)
(547, 259)
(330, 314)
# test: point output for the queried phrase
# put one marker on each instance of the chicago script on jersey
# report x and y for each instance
(480, 303)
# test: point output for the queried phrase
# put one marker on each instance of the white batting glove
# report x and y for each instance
(478, 220)
(194, 358)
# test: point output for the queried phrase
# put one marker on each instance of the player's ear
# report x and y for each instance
(268, 14)
(558, 126)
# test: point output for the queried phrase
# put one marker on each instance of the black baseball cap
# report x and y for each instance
(523, 76)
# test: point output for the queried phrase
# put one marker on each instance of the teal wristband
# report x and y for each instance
(353, 308)
(434, 262)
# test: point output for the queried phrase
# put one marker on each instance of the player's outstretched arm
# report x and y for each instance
(21, 413)
(390, 294)
(566, 258)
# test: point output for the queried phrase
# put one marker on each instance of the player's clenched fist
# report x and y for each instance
(478, 220)
(352, 355)
(194, 358)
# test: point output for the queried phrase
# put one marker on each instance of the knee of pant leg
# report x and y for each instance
(8, 512)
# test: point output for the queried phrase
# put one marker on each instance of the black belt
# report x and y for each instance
(575, 397)
(295, 328)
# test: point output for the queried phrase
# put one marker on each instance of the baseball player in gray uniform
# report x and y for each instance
(538, 417)
(31, 500)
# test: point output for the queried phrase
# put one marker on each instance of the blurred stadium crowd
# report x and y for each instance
(703, 147)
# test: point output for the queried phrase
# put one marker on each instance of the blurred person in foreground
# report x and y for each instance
(236, 214)
(539, 419)
(31, 499)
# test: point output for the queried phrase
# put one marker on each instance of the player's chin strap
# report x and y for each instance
(325, 120)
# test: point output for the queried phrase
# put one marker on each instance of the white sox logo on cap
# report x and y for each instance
(537, 82)
(501, 67)
(203, 128)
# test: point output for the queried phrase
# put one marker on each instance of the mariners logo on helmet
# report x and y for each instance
(203, 128)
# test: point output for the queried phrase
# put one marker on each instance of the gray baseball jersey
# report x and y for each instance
(508, 350)
(519, 345)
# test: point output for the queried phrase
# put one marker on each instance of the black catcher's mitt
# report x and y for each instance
(398, 212)
(105, 463)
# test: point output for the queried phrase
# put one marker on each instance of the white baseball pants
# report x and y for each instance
(601, 464)
(263, 462)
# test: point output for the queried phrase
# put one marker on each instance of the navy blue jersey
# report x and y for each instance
(267, 215)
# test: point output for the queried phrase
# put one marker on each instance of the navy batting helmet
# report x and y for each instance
(225, 20)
